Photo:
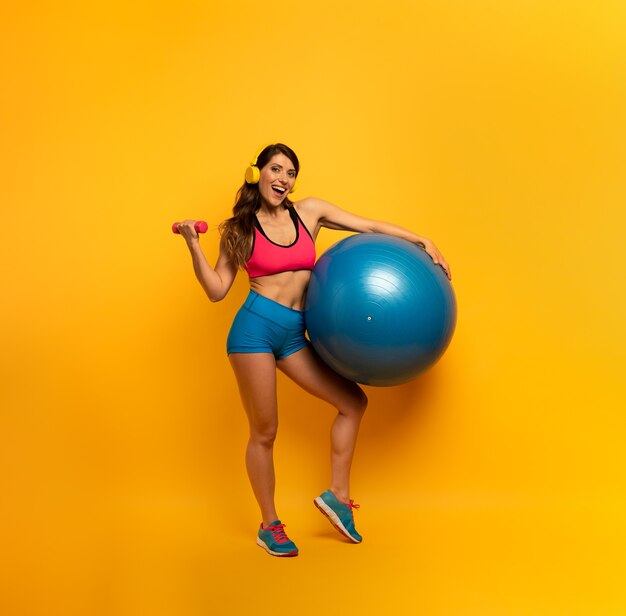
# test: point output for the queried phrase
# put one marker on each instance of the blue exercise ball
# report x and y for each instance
(378, 310)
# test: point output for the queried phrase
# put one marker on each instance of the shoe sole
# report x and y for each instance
(264, 545)
(334, 518)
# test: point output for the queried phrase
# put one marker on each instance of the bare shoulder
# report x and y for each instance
(313, 206)
(311, 211)
(308, 204)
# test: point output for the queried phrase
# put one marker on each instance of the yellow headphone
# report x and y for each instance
(253, 173)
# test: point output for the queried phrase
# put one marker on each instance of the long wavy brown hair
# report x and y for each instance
(237, 231)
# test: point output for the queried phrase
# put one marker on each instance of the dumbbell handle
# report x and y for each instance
(200, 226)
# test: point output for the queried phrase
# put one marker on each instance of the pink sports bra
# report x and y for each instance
(269, 258)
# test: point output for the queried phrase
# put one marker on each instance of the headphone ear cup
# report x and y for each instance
(253, 174)
(293, 188)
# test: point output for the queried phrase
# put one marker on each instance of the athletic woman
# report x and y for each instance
(272, 238)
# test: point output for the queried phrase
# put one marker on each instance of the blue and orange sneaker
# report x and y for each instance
(339, 514)
(275, 541)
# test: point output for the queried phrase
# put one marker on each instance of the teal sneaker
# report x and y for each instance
(275, 541)
(339, 514)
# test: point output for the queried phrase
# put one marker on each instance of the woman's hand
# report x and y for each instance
(435, 255)
(186, 229)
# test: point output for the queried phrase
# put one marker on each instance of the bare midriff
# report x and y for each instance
(286, 288)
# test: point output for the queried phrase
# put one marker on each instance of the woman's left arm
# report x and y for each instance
(333, 217)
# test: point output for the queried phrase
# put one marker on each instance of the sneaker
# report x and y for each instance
(339, 514)
(275, 541)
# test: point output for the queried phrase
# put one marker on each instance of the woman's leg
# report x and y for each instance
(313, 375)
(256, 377)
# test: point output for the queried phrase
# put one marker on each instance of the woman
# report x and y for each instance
(273, 240)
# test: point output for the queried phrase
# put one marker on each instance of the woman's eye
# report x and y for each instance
(275, 169)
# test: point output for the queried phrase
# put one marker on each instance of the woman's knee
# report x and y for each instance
(263, 433)
(362, 400)
(358, 402)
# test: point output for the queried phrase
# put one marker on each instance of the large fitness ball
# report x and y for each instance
(378, 310)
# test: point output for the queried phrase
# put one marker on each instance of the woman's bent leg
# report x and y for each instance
(313, 375)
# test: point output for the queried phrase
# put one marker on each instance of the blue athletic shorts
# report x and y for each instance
(265, 326)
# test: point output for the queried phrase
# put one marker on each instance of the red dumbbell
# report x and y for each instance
(200, 226)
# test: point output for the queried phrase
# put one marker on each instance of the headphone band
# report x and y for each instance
(256, 158)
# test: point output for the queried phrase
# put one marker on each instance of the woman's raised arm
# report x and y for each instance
(216, 281)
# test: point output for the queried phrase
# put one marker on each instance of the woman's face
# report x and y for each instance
(277, 179)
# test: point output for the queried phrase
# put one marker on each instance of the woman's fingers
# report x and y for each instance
(187, 229)
(437, 257)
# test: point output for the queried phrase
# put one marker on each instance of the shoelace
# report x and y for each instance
(278, 533)
(352, 506)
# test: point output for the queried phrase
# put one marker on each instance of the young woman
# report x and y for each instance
(273, 240)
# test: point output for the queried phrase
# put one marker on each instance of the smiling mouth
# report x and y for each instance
(279, 191)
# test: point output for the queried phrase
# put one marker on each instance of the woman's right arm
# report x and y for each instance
(217, 281)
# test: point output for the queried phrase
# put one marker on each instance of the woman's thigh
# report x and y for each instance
(256, 378)
(311, 373)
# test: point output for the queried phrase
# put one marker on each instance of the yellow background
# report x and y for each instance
(493, 484)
